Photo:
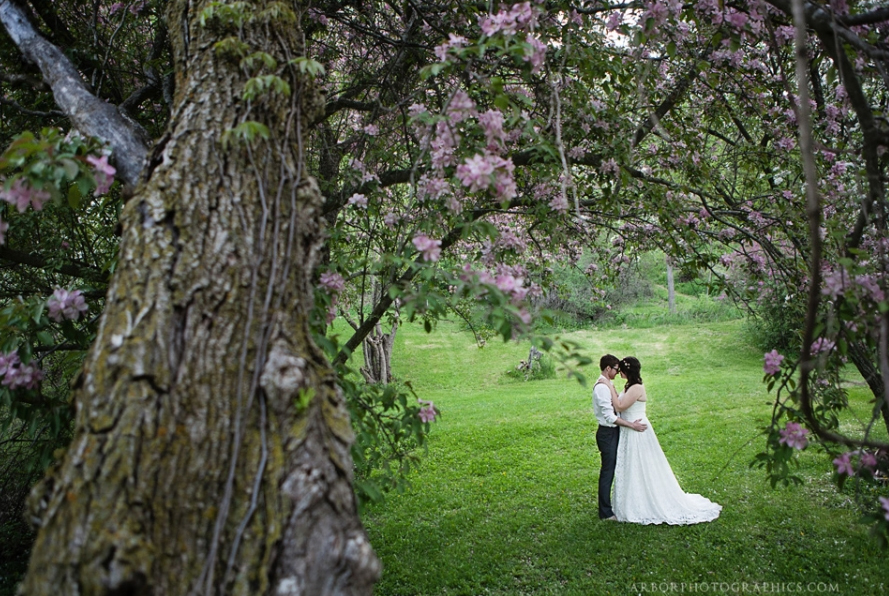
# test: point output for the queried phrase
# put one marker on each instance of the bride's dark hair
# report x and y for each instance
(631, 367)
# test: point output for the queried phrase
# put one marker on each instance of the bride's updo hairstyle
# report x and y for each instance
(632, 368)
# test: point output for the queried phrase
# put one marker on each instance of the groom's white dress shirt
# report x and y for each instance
(602, 405)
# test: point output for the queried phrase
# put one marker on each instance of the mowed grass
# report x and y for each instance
(505, 501)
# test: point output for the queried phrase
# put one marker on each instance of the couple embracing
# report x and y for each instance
(645, 489)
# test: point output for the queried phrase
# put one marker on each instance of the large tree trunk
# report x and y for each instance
(211, 451)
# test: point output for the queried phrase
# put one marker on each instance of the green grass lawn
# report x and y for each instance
(504, 502)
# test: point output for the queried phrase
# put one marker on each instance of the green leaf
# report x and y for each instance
(75, 197)
(308, 66)
(70, 168)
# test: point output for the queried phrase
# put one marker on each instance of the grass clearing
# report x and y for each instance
(504, 501)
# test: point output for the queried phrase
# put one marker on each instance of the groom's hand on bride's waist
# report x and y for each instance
(638, 425)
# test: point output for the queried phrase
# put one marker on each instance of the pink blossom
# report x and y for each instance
(610, 166)
(844, 465)
(431, 249)
(657, 11)
(614, 20)
(17, 375)
(884, 501)
(475, 172)
(359, 200)
(504, 182)
(427, 413)
(8, 361)
(461, 106)
(372, 130)
(21, 194)
(432, 188)
(822, 344)
(868, 460)
(492, 123)
(870, 285)
(520, 15)
(333, 282)
(835, 283)
(535, 53)
(454, 41)
(507, 283)
(415, 109)
(115, 7)
(772, 362)
(317, 16)
(736, 19)
(103, 172)
(559, 203)
(64, 304)
(794, 435)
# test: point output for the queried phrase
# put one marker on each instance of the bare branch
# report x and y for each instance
(14, 104)
(23, 81)
(37, 261)
(89, 114)
(881, 15)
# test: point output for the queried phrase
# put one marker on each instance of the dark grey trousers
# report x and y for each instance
(607, 438)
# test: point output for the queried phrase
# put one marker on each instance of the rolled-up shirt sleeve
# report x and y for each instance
(602, 405)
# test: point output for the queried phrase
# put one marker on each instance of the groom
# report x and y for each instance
(608, 433)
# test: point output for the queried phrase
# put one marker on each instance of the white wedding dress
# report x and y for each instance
(645, 489)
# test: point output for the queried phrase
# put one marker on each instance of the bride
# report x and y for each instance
(645, 489)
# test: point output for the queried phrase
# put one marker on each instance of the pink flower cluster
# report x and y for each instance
(359, 200)
(822, 344)
(431, 249)
(866, 460)
(844, 464)
(519, 16)
(21, 194)
(427, 413)
(17, 375)
(492, 123)
(535, 53)
(835, 283)
(103, 172)
(772, 362)
(334, 284)
(461, 107)
(794, 435)
(64, 304)
(453, 42)
(480, 172)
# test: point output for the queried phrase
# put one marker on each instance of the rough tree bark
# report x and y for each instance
(377, 347)
(211, 449)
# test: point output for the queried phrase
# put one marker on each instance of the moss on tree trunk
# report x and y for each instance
(211, 451)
